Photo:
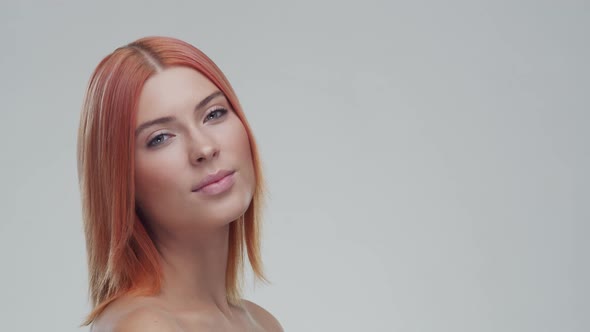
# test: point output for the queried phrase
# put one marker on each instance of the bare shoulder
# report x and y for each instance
(263, 317)
(146, 319)
(134, 315)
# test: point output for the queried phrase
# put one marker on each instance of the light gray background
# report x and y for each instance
(427, 161)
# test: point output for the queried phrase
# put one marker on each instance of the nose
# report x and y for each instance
(202, 148)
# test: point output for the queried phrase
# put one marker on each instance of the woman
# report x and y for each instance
(172, 188)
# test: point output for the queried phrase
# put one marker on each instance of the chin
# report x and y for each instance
(226, 209)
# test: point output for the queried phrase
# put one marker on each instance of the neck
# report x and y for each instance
(194, 270)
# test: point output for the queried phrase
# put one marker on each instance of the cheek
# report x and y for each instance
(245, 147)
(155, 175)
(245, 153)
(241, 144)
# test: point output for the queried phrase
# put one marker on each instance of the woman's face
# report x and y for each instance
(198, 135)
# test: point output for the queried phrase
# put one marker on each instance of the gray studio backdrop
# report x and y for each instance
(427, 161)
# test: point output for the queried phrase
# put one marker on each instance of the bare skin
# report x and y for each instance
(190, 229)
(148, 314)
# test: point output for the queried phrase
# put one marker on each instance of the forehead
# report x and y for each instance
(173, 89)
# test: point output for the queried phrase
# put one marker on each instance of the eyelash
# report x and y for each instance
(222, 111)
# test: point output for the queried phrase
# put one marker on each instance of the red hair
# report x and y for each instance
(122, 258)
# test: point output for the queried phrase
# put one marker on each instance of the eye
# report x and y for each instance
(157, 140)
(219, 111)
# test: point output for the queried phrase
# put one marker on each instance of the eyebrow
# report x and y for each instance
(167, 119)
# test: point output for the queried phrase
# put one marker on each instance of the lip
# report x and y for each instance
(212, 178)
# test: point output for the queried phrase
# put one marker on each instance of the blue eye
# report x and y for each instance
(160, 138)
(220, 111)
(157, 140)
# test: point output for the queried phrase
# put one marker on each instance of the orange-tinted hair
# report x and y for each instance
(122, 259)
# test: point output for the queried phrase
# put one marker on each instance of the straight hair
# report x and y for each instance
(122, 258)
